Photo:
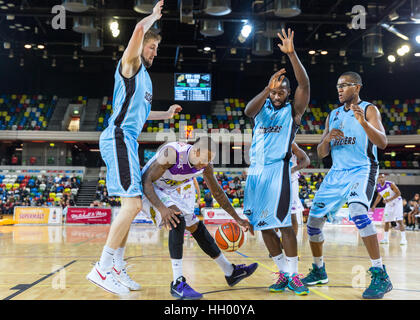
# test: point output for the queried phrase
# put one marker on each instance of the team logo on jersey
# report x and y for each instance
(148, 97)
(346, 140)
(336, 116)
(270, 129)
(353, 187)
(264, 214)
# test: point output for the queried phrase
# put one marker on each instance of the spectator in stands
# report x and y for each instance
(3, 161)
(416, 198)
(208, 199)
(318, 184)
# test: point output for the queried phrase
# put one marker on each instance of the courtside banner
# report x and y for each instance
(220, 216)
(89, 215)
(31, 215)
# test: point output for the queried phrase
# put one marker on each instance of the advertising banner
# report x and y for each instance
(91, 215)
(31, 215)
(220, 216)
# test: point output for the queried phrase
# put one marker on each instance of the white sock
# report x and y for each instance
(403, 235)
(280, 262)
(119, 258)
(377, 263)
(106, 261)
(223, 263)
(176, 268)
(292, 264)
(386, 233)
(319, 261)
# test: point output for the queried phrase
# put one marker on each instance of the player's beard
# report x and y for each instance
(146, 63)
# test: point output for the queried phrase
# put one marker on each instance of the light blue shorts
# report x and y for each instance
(120, 154)
(267, 199)
(341, 186)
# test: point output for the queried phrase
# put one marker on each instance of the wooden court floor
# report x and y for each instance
(51, 262)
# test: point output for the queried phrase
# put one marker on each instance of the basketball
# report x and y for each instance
(229, 237)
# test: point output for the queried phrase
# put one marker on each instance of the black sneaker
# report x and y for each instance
(240, 272)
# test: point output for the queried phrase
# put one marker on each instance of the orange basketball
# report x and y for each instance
(229, 237)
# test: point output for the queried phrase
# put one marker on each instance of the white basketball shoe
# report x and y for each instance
(403, 242)
(106, 281)
(123, 277)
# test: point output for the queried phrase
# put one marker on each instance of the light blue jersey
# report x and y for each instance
(267, 199)
(355, 149)
(132, 101)
(118, 142)
(352, 177)
(273, 134)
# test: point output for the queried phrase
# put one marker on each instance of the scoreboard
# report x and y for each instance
(192, 87)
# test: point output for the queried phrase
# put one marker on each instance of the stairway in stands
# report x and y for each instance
(87, 190)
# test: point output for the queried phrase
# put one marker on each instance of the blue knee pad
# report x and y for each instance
(314, 229)
(358, 214)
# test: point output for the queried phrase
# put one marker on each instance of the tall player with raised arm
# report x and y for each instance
(119, 149)
(268, 199)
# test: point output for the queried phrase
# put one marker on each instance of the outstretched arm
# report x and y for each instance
(163, 115)
(221, 197)
(163, 162)
(302, 93)
(131, 57)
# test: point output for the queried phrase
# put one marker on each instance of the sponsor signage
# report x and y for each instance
(91, 215)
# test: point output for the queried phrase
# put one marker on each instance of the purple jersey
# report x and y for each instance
(181, 173)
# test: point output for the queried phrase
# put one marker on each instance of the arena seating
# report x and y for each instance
(397, 117)
(25, 112)
(45, 188)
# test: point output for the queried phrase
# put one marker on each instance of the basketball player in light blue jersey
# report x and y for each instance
(119, 149)
(353, 132)
(268, 197)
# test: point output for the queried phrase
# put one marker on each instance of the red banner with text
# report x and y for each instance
(89, 215)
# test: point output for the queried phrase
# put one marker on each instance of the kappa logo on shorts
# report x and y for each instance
(319, 204)
(354, 194)
(261, 223)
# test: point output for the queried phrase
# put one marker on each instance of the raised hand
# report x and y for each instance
(286, 46)
(157, 10)
(276, 79)
(359, 114)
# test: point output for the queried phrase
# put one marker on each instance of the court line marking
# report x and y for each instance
(311, 289)
(28, 286)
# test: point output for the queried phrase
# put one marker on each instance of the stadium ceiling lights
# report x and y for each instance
(418, 38)
(391, 58)
(245, 32)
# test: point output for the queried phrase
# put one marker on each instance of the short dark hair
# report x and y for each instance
(354, 76)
